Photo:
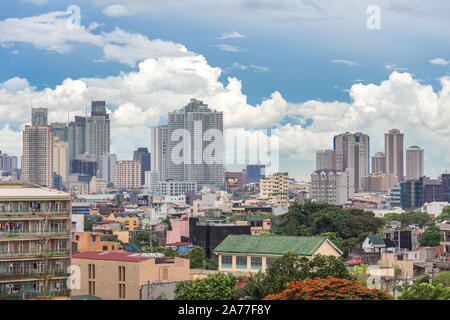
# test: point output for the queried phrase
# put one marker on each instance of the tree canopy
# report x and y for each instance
(217, 286)
(431, 237)
(415, 217)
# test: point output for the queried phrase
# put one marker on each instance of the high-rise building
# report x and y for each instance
(106, 164)
(393, 149)
(84, 164)
(35, 228)
(37, 159)
(352, 151)
(255, 172)
(60, 130)
(379, 182)
(332, 186)
(39, 116)
(414, 163)
(325, 159)
(61, 158)
(127, 174)
(195, 135)
(159, 151)
(379, 163)
(7, 162)
(77, 137)
(143, 156)
(98, 129)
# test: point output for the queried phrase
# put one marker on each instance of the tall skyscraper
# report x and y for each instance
(61, 158)
(332, 186)
(414, 163)
(352, 151)
(39, 116)
(393, 149)
(98, 129)
(106, 165)
(379, 163)
(60, 130)
(143, 157)
(37, 159)
(195, 135)
(159, 151)
(77, 137)
(325, 159)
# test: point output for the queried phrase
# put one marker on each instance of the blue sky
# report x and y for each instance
(314, 54)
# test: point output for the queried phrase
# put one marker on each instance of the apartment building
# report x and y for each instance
(121, 275)
(127, 174)
(35, 226)
(275, 189)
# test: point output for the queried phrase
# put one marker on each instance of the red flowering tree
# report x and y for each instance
(329, 289)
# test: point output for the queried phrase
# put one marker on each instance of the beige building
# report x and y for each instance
(393, 150)
(121, 275)
(379, 182)
(127, 174)
(37, 159)
(61, 158)
(275, 189)
(35, 227)
(97, 185)
(331, 186)
(414, 163)
(245, 254)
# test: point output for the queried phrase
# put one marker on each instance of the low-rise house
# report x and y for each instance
(181, 247)
(92, 241)
(245, 254)
(445, 236)
(121, 275)
(106, 226)
(373, 243)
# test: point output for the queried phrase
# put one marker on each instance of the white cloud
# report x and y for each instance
(229, 48)
(231, 35)
(116, 10)
(52, 32)
(259, 68)
(394, 67)
(346, 62)
(440, 61)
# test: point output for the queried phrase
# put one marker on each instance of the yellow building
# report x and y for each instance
(244, 254)
(131, 223)
(92, 241)
(275, 189)
(121, 275)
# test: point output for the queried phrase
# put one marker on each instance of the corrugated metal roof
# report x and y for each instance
(276, 245)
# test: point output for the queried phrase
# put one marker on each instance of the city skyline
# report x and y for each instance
(135, 71)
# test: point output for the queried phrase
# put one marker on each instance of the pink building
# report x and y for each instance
(180, 228)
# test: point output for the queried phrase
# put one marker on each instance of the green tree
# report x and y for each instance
(290, 267)
(445, 215)
(88, 224)
(118, 200)
(197, 257)
(211, 264)
(425, 291)
(140, 237)
(254, 289)
(217, 286)
(431, 237)
(442, 278)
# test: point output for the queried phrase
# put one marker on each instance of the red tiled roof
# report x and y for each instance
(106, 222)
(109, 255)
(179, 244)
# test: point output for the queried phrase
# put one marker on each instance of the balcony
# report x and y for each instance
(14, 213)
(32, 253)
(35, 295)
(34, 233)
(27, 275)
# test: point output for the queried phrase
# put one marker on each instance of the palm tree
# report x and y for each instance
(254, 288)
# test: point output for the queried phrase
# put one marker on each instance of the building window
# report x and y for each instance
(91, 272)
(227, 262)
(121, 273)
(269, 262)
(92, 288)
(256, 263)
(122, 290)
(241, 262)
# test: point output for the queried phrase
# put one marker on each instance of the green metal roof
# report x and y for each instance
(276, 245)
(375, 239)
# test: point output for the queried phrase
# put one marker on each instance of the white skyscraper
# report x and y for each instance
(98, 129)
(325, 159)
(414, 163)
(195, 135)
(159, 151)
(61, 158)
(393, 150)
(106, 165)
(352, 151)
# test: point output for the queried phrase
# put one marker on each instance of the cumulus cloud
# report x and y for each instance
(52, 32)
(116, 10)
(440, 61)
